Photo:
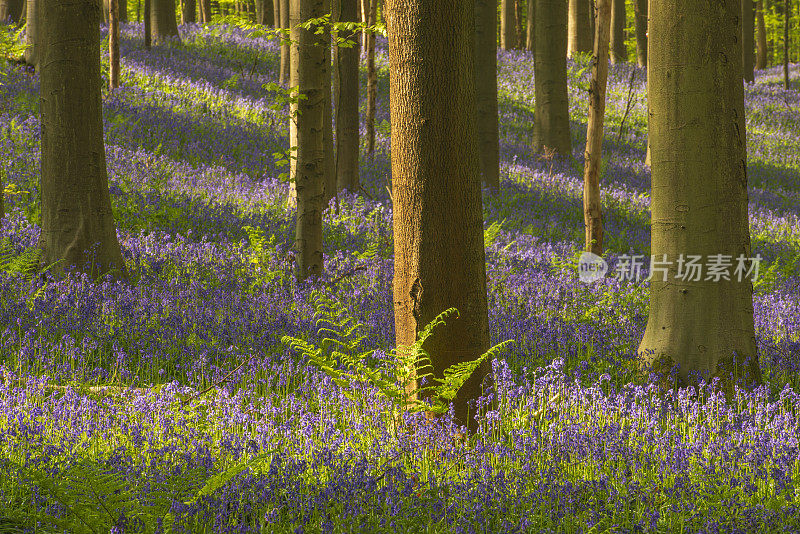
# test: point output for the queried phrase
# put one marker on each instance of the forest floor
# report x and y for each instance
(170, 402)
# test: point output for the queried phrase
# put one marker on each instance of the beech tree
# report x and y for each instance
(32, 22)
(761, 56)
(347, 91)
(551, 113)
(113, 44)
(508, 33)
(163, 23)
(11, 10)
(486, 91)
(531, 10)
(264, 12)
(787, 13)
(438, 214)
(579, 38)
(699, 193)
(147, 30)
(640, 19)
(619, 54)
(189, 11)
(77, 223)
(122, 10)
(748, 39)
(369, 14)
(285, 47)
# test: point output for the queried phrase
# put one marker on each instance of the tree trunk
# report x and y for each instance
(188, 15)
(619, 54)
(438, 215)
(579, 39)
(122, 9)
(148, 31)
(276, 13)
(786, 17)
(32, 21)
(486, 91)
(113, 44)
(551, 115)
(508, 34)
(308, 54)
(205, 11)
(327, 127)
(163, 24)
(748, 40)
(518, 38)
(372, 80)
(592, 211)
(528, 23)
(347, 119)
(285, 45)
(11, 10)
(640, 10)
(697, 129)
(264, 12)
(761, 57)
(77, 223)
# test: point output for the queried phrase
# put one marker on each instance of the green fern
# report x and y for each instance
(25, 263)
(491, 233)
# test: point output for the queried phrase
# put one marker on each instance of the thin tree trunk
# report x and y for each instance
(276, 13)
(438, 216)
(11, 10)
(640, 10)
(704, 326)
(77, 223)
(592, 211)
(347, 119)
(113, 44)
(508, 35)
(285, 55)
(619, 54)
(163, 23)
(148, 31)
(32, 21)
(189, 11)
(327, 127)
(486, 91)
(372, 80)
(761, 57)
(205, 11)
(308, 53)
(551, 115)
(264, 12)
(748, 40)
(123, 10)
(579, 38)
(528, 23)
(518, 38)
(786, 16)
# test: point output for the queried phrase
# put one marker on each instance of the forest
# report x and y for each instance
(402, 266)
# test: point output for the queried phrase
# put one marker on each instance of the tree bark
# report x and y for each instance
(528, 23)
(276, 13)
(113, 44)
(508, 34)
(592, 211)
(148, 31)
(308, 54)
(372, 80)
(697, 129)
(347, 119)
(579, 39)
(438, 216)
(619, 54)
(32, 37)
(264, 12)
(786, 17)
(77, 223)
(486, 91)
(748, 40)
(205, 11)
(518, 38)
(551, 115)
(163, 24)
(640, 7)
(327, 127)
(285, 46)
(761, 57)
(189, 13)
(11, 10)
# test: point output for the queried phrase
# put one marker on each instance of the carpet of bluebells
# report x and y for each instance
(169, 403)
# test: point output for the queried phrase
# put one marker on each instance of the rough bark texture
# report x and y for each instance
(508, 34)
(619, 54)
(163, 24)
(372, 79)
(11, 10)
(592, 213)
(748, 40)
(699, 191)
(551, 115)
(486, 91)
(285, 46)
(32, 22)
(579, 38)
(438, 216)
(189, 12)
(308, 66)
(113, 44)
(528, 23)
(347, 119)
(77, 222)
(761, 57)
(640, 7)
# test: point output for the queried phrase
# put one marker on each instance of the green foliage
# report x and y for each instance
(260, 257)
(11, 45)
(25, 263)
(340, 357)
(491, 233)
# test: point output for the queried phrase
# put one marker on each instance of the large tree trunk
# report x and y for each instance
(438, 216)
(308, 54)
(786, 17)
(748, 39)
(113, 44)
(697, 129)
(347, 120)
(285, 45)
(486, 91)
(77, 222)
(551, 116)
(508, 34)
(163, 24)
(619, 54)
(761, 57)
(579, 38)
(592, 212)
(640, 10)
(32, 21)
(372, 80)
(531, 13)
(11, 10)
(122, 9)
